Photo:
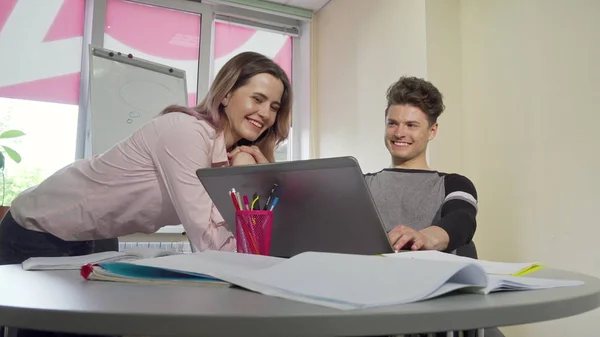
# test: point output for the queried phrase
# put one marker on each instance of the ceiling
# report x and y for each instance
(313, 5)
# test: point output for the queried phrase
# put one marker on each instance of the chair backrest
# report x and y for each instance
(468, 250)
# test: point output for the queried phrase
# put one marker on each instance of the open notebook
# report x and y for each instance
(76, 262)
(340, 281)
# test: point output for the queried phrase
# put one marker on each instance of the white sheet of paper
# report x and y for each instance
(490, 267)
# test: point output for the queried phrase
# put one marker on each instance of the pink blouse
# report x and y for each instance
(145, 182)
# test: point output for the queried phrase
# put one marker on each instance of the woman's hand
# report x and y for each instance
(254, 151)
(239, 158)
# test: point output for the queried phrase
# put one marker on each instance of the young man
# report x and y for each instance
(421, 208)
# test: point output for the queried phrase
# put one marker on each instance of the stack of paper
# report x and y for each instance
(513, 283)
(341, 281)
(490, 267)
(76, 262)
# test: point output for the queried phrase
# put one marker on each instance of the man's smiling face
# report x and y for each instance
(407, 133)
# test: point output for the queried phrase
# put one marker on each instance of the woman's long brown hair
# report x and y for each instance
(235, 74)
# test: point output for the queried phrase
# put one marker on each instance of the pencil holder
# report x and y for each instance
(253, 231)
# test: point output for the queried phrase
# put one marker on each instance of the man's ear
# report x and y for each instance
(433, 131)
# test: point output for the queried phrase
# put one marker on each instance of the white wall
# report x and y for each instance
(362, 47)
(519, 77)
(444, 69)
(530, 75)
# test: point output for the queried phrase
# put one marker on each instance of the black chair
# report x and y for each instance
(468, 250)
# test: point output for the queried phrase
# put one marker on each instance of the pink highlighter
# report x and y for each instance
(246, 203)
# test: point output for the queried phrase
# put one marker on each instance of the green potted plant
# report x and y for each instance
(6, 151)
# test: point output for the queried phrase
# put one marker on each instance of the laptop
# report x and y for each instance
(324, 204)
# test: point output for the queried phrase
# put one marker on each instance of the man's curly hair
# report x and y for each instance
(419, 93)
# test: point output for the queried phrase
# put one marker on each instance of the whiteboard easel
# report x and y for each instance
(125, 93)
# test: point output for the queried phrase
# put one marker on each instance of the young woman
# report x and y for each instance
(148, 180)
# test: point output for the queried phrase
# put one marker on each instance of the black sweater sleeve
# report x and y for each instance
(459, 210)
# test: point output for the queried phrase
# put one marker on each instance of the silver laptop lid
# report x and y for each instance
(324, 204)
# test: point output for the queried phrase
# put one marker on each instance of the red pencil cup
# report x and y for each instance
(253, 231)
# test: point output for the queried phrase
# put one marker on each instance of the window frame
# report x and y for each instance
(219, 17)
(95, 19)
(301, 82)
(300, 30)
(299, 140)
(48, 20)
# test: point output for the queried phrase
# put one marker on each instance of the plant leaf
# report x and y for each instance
(12, 154)
(1, 161)
(12, 134)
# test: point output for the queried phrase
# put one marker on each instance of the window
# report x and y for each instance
(40, 76)
(39, 86)
(156, 34)
(231, 39)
